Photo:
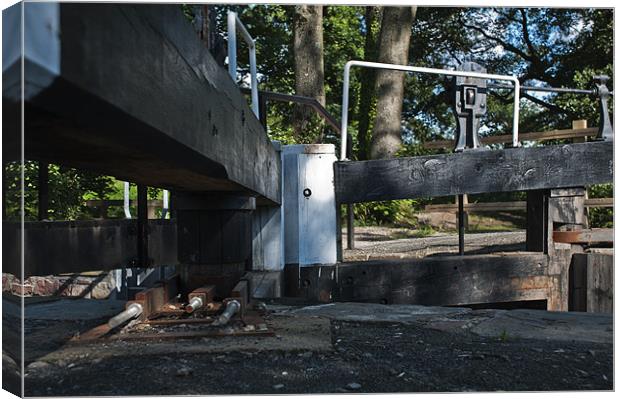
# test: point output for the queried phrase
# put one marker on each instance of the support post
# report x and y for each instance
(43, 192)
(537, 221)
(143, 243)
(461, 227)
(350, 227)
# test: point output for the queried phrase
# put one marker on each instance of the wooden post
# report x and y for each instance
(43, 192)
(580, 124)
(350, 227)
(537, 233)
(143, 243)
(461, 223)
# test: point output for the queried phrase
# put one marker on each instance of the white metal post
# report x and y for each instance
(126, 201)
(232, 45)
(235, 23)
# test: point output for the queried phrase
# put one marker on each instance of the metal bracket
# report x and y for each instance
(605, 129)
(470, 104)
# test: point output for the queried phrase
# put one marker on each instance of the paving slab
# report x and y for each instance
(519, 323)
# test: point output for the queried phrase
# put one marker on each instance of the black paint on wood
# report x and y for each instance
(78, 246)
(537, 233)
(350, 226)
(213, 237)
(442, 280)
(474, 172)
(143, 233)
(155, 109)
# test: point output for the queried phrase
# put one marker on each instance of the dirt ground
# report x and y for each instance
(348, 348)
(333, 348)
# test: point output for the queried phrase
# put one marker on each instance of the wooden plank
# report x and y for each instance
(599, 202)
(586, 236)
(530, 136)
(509, 206)
(479, 207)
(441, 280)
(77, 246)
(156, 109)
(591, 283)
(600, 277)
(474, 172)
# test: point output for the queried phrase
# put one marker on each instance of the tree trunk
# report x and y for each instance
(367, 95)
(393, 49)
(309, 73)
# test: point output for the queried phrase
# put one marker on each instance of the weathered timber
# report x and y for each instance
(529, 136)
(155, 109)
(475, 172)
(585, 236)
(442, 280)
(591, 283)
(66, 247)
(509, 206)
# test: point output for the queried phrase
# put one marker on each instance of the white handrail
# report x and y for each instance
(126, 201)
(235, 23)
(406, 68)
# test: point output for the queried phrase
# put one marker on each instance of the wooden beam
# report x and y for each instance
(478, 207)
(509, 206)
(155, 109)
(441, 280)
(474, 172)
(586, 236)
(77, 246)
(530, 136)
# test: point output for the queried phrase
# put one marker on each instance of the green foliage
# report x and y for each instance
(393, 213)
(601, 217)
(559, 47)
(68, 189)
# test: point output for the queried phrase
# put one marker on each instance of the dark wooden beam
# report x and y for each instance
(474, 172)
(135, 94)
(537, 233)
(78, 246)
(441, 280)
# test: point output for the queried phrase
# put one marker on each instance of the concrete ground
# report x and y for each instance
(332, 348)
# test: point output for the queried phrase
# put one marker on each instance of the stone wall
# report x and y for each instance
(90, 285)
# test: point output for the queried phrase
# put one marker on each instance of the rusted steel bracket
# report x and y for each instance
(588, 236)
(199, 298)
(153, 299)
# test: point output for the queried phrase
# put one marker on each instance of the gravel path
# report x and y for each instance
(397, 243)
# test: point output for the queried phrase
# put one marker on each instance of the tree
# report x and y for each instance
(367, 97)
(309, 72)
(393, 49)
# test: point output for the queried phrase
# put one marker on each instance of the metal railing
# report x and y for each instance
(406, 68)
(234, 24)
(264, 96)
